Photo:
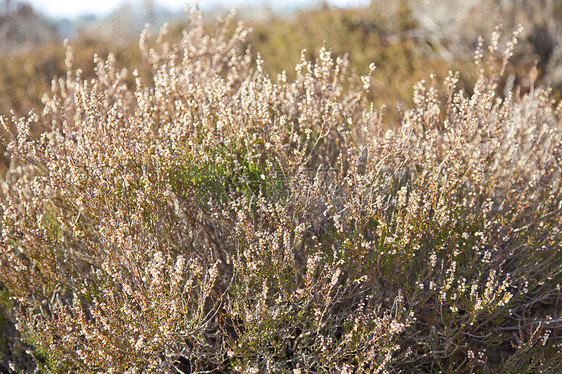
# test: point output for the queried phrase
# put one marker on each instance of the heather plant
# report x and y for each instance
(378, 33)
(214, 219)
(453, 27)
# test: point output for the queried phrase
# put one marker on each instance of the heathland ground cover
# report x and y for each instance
(205, 214)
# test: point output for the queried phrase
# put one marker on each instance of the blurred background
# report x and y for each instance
(66, 8)
(406, 39)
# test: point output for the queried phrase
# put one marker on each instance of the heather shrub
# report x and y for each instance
(379, 33)
(453, 27)
(216, 219)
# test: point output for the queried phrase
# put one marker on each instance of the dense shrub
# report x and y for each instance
(216, 219)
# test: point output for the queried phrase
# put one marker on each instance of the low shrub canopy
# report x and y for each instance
(217, 219)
